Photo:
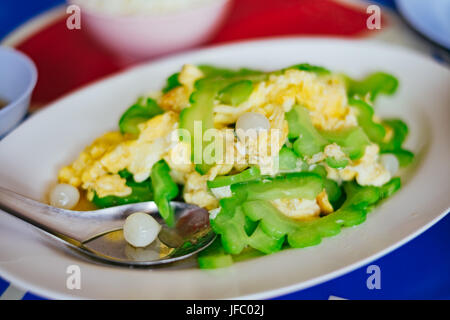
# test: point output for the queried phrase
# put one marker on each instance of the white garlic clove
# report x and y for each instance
(251, 123)
(390, 163)
(64, 196)
(140, 229)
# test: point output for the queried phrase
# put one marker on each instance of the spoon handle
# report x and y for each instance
(75, 225)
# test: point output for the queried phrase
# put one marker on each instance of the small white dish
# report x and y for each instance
(138, 36)
(18, 76)
(32, 154)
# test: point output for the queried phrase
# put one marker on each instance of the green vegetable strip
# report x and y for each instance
(214, 256)
(230, 224)
(390, 188)
(308, 233)
(353, 141)
(215, 72)
(268, 237)
(252, 173)
(309, 141)
(405, 157)
(331, 187)
(399, 135)
(201, 109)
(165, 190)
(374, 84)
(304, 238)
(140, 192)
(142, 110)
(360, 197)
(287, 159)
(250, 226)
(310, 68)
(251, 74)
(395, 144)
(305, 185)
(246, 254)
(271, 221)
(236, 93)
(231, 204)
(335, 163)
(265, 243)
(375, 131)
(172, 83)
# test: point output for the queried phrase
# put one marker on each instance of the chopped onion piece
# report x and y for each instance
(140, 229)
(390, 162)
(252, 122)
(64, 196)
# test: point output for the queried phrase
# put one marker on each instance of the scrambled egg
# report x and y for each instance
(304, 209)
(332, 150)
(178, 98)
(196, 191)
(368, 171)
(96, 169)
(87, 167)
(299, 209)
(139, 156)
(263, 149)
(325, 97)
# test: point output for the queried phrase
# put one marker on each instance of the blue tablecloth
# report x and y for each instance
(417, 270)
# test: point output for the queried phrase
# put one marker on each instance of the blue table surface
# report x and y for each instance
(417, 270)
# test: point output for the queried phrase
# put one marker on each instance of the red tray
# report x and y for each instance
(67, 59)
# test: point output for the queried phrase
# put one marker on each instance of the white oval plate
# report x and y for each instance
(32, 154)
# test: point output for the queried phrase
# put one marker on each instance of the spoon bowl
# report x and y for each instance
(99, 235)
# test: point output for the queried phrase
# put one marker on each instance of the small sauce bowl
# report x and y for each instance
(136, 37)
(18, 76)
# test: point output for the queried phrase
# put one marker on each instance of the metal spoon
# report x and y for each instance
(99, 233)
